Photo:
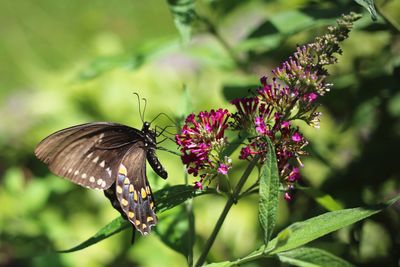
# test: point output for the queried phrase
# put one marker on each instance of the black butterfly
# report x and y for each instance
(111, 157)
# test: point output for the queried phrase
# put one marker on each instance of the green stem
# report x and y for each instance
(231, 200)
(191, 231)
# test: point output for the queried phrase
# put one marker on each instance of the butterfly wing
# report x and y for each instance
(88, 154)
(133, 190)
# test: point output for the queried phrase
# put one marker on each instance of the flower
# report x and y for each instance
(201, 143)
(223, 169)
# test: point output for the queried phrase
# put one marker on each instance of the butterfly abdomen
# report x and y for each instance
(156, 164)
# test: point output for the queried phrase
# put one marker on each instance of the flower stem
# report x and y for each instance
(231, 200)
(191, 232)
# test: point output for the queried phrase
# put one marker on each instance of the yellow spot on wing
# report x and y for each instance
(144, 226)
(126, 181)
(151, 204)
(149, 218)
(131, 214)
(131, 188)
(143, 193)
(119, 189)
(147, 190)
(135, 196)
(122, 170)
(124, 202)
(137, 222)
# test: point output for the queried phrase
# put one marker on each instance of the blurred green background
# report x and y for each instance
(68, 62)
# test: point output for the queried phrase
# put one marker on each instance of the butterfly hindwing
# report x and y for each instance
(133, 190)
(88, 154)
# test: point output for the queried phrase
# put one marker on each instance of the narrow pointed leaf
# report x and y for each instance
(312, 257)
(183, 13)
(167, 198)
(269, 192)
(301, 233)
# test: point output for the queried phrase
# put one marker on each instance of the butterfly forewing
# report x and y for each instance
(133, 190)
(88, 154)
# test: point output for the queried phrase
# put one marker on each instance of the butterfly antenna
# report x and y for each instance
(144, 109)
(140, 110)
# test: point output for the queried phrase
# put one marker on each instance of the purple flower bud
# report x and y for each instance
(296, 137)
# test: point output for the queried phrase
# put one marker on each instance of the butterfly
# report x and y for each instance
(111, 157)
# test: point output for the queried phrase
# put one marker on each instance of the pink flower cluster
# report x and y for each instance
(202, 141)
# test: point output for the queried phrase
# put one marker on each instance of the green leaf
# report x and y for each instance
(183, 13)
(291, 21)
(368, 5)
(269, 192)
(306, 231)
(322, 199)
(115, 226)
(167, 198)
(173, 230)
(312, 257)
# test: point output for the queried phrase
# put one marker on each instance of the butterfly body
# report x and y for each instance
(110, 157)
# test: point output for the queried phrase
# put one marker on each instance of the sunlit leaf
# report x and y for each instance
(268, 192)
(312, 257)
